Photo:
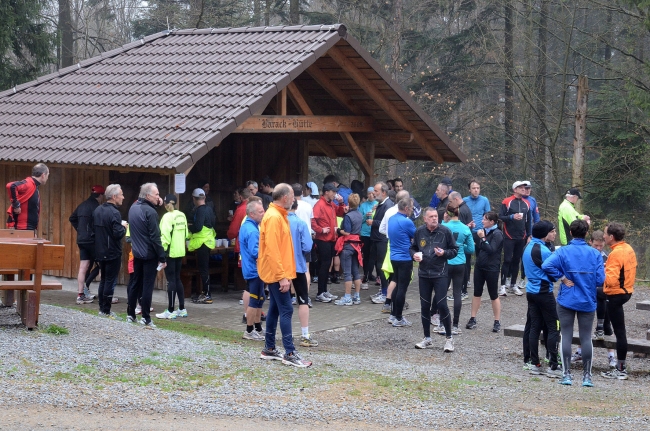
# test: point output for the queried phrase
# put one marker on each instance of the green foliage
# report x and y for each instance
(56, 330)
(25, 44)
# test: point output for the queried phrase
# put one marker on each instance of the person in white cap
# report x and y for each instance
(311, 194)
(515, 211)
(202, 240)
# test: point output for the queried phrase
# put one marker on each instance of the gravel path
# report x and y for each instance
(367, 376)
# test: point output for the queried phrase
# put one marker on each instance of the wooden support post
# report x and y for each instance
(369, 180)
(281, 107)
(579, 135)
(383, 102)
(357, 153)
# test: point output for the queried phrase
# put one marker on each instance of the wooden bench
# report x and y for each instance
(644, 305)
(25, 257)
(190, 277)
(633, 345)
(7, 296)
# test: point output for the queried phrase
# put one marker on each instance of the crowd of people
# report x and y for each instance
(290, 235)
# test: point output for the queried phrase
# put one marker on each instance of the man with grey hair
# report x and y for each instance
(379, 241)
(109, 230)
(148, 252)
(442, 193)
(253, 187)
(25, 209)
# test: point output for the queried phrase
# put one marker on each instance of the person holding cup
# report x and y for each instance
(433, 245)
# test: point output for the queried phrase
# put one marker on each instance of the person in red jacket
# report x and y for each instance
(238, 217)
(324, 225)
(25, 208)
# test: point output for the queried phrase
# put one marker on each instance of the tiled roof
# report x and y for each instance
(158, 103)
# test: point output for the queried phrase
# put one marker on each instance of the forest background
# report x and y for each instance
(499, 76)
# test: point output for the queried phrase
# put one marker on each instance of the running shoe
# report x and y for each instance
(450, 298)
(386, 308)
(464, 296)
(449, 345)
(166, 315)
(111, 315)
(374, 295)
(566, 380)
(401, 323)
(346, 300)
(263, 317)
(615, 373)
(87, 293)
(471, 323)
(391, 319)
(440, 329)
(435, 320)
(554, 373)
(330, 296)
(115, 300)
(314, 279)
(308, 342)
(335, 279)
(497, 326)
(253, 335)
(576, 357)
(322, 298)
(295, 360)
(426, 343)
(528, 366)
(356, 300)
(83, 299)
(455, 330)
(521, 284)
(378, 299)
(406, 305)
(586, 380)
(535, 370)
(309, 304)
(502, 290)
(599, 334)
(364, 286)
(294, 301)
(270, 355)
(147, 325)
(378, 281)
(612, 361)
(130, 319)
(514, 289)
(243, 319)
(181, 313)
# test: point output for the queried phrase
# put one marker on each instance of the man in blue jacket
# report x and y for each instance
(478, 205)
(533, 217)
(249, 242)
(541, 302)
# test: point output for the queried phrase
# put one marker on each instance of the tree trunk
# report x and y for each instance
(540, 86)
(579, 137)
(294, 12)
(257, 12)
(65, 33)
(508, 91)
(397, 38)
(267, 13)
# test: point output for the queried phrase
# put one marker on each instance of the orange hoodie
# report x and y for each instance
(275, 259)
(620, 270)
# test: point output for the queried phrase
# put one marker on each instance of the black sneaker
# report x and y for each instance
(295, 360)
(243, 319)
(270, 355)
(471, 323)
(263, 318)
(497, 326)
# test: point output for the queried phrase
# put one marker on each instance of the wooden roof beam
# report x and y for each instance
(324, 148)
(339, 95)
(357, 153)
(396, 151)
(303, 107)
(383, 102)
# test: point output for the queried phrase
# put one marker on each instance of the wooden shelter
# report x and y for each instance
(221, 105)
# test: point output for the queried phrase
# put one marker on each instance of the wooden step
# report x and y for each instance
(643, 305)
(633, 344)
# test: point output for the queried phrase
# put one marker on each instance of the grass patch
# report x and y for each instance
(56, 330)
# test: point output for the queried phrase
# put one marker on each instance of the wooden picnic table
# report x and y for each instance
(190, 272)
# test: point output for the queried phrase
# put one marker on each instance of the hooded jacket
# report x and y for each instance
(489, 249)
(537, 281)
(325, 214)
(620, 270)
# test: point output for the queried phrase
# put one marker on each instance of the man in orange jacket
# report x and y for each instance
(276, 266)
(620, 272)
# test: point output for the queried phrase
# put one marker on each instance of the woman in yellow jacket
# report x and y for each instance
(620, 272)
(173, 233)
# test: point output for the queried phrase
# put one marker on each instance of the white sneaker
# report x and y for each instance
(253, 336)
(516, 290)
(455, 330)
(440, 329)
(521, 283)
(330, 296)
(435, 321)
(364, 286)
(449, 345)
(166, 315)
(378, 299)
(392, 319)
(323, 298)
(138, 310)
(426, 343)
(502, 290)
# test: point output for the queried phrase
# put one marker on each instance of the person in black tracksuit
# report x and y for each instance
(514, 213)
(82, 222)
(109, 231)
(147, 250)
(437, 245)
(486, 269)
